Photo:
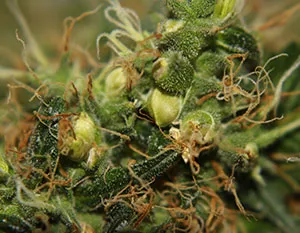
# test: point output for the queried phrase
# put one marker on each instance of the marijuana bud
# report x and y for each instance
(189, 103)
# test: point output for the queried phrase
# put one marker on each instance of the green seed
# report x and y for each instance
(115, 82)
(164, 108)
(77, 148)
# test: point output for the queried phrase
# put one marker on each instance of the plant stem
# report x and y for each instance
(272, 135)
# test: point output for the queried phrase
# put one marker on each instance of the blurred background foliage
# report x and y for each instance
(46, 22)
(46, 18)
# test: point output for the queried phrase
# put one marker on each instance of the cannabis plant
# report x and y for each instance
(188, 128)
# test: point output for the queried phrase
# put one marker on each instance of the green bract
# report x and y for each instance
(173, 73)
(235, 40)
(210, 64)
(191, 9)
(189, 42)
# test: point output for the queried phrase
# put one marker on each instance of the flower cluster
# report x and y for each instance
(171, 135)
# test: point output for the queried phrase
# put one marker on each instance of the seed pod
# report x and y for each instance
(77, 146)
(164, 108)
(115, 82)
(198, 125)
(237, 40)
(173, 73)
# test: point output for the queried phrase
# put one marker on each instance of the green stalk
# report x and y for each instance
(271, 136)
